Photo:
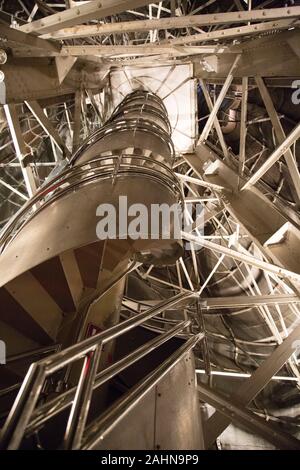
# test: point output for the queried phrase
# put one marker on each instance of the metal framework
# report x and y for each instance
(55, 88)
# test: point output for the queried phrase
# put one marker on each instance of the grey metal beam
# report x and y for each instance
(77, 120)
(280, 134)
(46, 124)
(130, 50)
(233, 32)
(200, 182)
(216, 303)
(259, 217)
(245, 258)
(243, 130)
(14, 190)
(20, 147)
(216, 121)
(219, 101)
(27, 40)
(169, 23)
(232, 410)
(30, 80)
(262, 56)
(81, 14)
(251, 387)
(276, 155)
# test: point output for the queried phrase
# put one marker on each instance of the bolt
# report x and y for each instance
(3, 57)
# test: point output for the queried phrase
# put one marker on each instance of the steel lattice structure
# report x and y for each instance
(203, 97)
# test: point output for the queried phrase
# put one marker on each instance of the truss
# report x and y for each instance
(55, 89)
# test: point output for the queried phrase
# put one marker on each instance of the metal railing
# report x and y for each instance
(121, 126)
(158, 324)
(26, 417)
(28, 357)
(94, 170)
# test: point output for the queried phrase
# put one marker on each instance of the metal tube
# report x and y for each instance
(15, 425)
(82, 401)
(33, 353)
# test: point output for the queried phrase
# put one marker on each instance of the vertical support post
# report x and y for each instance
(20, 147)
(243, 134)
(77, 120)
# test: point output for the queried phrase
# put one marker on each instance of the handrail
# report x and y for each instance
(33, 353)
(100, 167)
(157, 325)
(134, 125)
(58, 404)
(89, 350)
(30, 355)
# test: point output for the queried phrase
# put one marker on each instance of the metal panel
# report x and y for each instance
(168, 417)
(177, 418)
(136, 430)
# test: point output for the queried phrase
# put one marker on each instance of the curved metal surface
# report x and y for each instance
(129, 153)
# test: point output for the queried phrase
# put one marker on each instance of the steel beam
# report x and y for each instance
(77, 120)
(37, 79)
(20, 147)
(219, 101)
(199, 182)
(279, 133)
(251, 387)
(128, 50)
(243, 130)
(258, 216)
(244, 375)
(237, 413)
(8, 34)
(169, 23)
(250, 260)
(47, 125)
(81, 14)
(216, 121)
(14, 190)
(262, 56)
(216, 303)
(233, 32)
(276, 155)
